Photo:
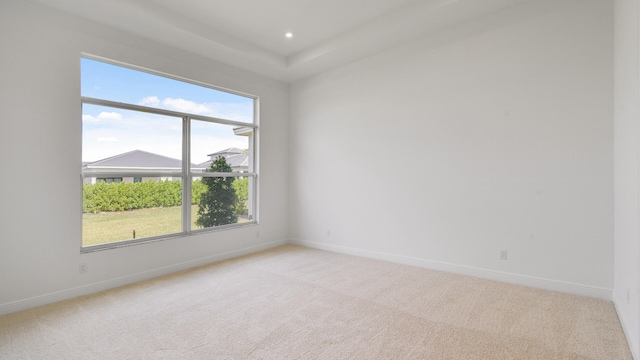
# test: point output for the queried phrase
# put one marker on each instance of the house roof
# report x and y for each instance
(227, 152)
(137, 159)
(236, 158)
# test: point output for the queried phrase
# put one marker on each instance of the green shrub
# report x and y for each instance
(197, 189)
(242, 195)
(103, 197)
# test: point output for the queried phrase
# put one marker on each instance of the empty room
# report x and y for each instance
(353, 179)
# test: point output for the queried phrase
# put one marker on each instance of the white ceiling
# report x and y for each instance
(250, 33)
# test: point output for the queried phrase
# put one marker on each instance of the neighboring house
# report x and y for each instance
(141, 162)
(238, 159)
(137, 161)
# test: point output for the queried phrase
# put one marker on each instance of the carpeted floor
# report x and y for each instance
(297, 303)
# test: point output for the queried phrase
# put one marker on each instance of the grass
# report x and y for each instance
(118, 226)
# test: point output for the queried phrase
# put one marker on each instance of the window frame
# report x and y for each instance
(186, 174)
(109, 180)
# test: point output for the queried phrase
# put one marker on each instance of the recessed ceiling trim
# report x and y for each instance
(187, 31)
(376, 33)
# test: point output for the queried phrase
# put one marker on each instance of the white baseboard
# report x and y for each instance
(40, 300)
(631, 339)
(517, 279)
(577, 289)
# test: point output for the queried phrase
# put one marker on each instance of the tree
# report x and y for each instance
(242, 195)
(218, 203)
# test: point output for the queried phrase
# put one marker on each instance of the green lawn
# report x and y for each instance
(118, 226)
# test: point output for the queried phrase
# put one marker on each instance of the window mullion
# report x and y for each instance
(186, 174)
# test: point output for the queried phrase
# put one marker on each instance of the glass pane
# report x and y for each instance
(115, 138)
(110, 82)
(219, 201)
(210, 141)
(220, 148)
(130, 210)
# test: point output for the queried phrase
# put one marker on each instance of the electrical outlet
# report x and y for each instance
(328, 233)
(257, 234)
(83, 268)
(503, 254)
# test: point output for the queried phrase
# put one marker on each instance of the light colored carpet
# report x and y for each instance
(297, 303)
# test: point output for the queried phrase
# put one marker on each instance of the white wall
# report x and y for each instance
(40, 158)
(627, 181)
(496, 134)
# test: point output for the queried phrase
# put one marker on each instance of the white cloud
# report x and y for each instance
(103, 116)
(188, 106)
(150, 101)
(107, 139)
(89, 118)
(231, 111)
(110, 116)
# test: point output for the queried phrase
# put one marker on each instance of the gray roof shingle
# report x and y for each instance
(226, 152)
(236, 158)
(137, 159)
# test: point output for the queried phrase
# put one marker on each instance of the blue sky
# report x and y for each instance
(110, 131)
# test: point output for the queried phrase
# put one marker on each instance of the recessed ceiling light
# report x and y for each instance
(289, 34)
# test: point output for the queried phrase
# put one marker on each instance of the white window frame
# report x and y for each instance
(241, 128)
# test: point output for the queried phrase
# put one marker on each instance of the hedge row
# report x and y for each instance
(102, 197)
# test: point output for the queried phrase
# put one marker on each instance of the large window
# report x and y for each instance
(162, 157)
